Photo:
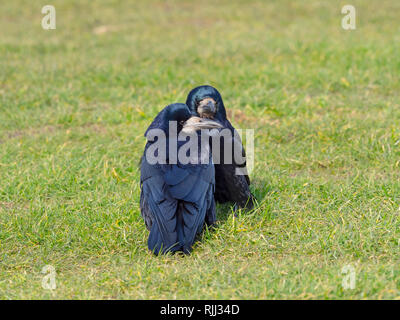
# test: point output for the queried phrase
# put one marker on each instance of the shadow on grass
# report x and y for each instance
(260, 189)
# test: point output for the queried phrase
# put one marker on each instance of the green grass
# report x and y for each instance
(324, 103)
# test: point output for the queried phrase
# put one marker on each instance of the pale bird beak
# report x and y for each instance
(209, 107)
(196, 123)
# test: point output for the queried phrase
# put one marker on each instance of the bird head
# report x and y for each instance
(206, 102)
(177, 112)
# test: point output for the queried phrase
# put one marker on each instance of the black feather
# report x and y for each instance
(230, 187)
(176, 200)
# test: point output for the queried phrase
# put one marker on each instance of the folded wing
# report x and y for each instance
(176, 201)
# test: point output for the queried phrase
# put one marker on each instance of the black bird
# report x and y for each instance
(176, 199)
(206, 102)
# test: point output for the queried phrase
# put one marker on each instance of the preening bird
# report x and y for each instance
(176, 198)
(206, 102)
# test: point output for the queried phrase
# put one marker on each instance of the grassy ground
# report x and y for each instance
(324, 103)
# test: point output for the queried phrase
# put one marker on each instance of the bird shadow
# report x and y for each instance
(260, 188)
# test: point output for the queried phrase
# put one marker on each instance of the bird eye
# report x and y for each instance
(181, 122)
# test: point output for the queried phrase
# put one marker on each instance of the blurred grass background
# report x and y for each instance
(324, 103)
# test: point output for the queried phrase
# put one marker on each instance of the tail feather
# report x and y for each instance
(158, 244)
(190, 220)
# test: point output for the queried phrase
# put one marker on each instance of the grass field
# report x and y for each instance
(324, 104)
